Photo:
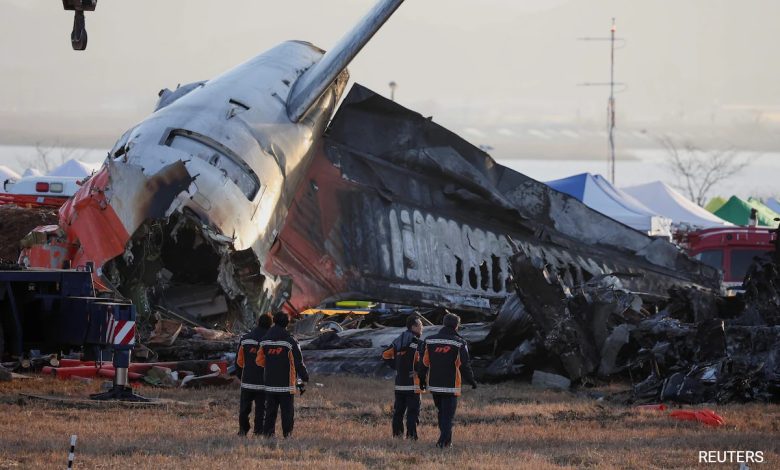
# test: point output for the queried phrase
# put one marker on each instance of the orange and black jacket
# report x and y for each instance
(404, 355)
(252, 374)
(280, 356)
(446, 362)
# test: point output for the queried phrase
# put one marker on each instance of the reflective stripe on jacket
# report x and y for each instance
(280, 356)
(251, 374)
(403, 355)
(446, 361)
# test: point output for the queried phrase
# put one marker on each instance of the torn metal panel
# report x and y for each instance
(358, 361)
(196, 302)
(511, 326)
(564, 333)
(515, 363)
(613, 344)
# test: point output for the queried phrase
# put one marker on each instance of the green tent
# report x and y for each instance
(715, 204)
(737, 211)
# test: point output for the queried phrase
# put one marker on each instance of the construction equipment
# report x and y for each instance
(78, 37)
(54, 310)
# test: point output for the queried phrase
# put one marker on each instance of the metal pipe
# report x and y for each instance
(121, 379)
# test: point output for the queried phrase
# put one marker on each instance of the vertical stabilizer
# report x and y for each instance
(313, 83)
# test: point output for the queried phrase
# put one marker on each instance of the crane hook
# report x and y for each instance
(78, 37)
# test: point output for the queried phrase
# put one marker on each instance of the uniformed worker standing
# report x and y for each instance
(281, 357)
(252, 389)
(403, 355)
(446, 360)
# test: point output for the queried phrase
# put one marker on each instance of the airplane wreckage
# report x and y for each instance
(245, 193)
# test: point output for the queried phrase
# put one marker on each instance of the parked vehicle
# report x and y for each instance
(56, 310)
(730, 249)
(49, 191)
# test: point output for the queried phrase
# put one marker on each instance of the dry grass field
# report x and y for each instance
(345, 425)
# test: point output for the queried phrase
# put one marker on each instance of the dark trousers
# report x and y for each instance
(247, 398)
(273, 402)
(446, 404)
(407, 403)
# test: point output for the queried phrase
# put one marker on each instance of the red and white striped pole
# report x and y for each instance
(72, 453)
(123, 338)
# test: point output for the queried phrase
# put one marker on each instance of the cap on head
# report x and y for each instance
(281, 319)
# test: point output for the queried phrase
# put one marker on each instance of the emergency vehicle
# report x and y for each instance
(730, 249)
(37, 191)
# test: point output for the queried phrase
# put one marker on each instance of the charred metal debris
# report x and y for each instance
(692, 346)
(401, 210)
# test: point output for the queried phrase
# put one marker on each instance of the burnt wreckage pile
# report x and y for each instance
(692, 347)
(403, 210)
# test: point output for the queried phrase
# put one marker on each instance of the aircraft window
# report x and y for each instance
(217, 156)
(712, 258)
(741, 260)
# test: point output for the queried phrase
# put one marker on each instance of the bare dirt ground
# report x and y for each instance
(344, 424)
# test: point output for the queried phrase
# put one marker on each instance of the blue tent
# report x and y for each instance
(773, 204)
(599, 194)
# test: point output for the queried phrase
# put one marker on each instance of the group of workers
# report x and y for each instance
(272, 363)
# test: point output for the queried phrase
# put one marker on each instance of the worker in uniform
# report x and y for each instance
(403, 355)
(280, 356)
(252, 388)
(446, 362)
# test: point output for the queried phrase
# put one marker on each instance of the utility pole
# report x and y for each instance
(611, 109)
(611, 101)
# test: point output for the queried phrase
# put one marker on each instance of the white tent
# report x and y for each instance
(8, 174)
(32, 172)
(664, 200)
(74, 168)
(599, 194)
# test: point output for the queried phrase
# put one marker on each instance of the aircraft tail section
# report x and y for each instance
(313, 83)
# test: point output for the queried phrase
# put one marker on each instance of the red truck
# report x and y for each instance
(730, 249)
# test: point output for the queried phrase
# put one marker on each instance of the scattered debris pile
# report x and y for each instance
(171, 354)
(172, 340)
(185, 374)
(359, 351)
(692, 346)
(16, 222)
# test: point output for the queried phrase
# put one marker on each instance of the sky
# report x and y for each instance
(498, 72)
